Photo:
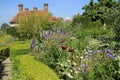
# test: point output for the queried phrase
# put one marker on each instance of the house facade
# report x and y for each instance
(22, 12)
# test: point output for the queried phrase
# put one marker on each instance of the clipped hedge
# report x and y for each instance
(25, 67)
(30, 69)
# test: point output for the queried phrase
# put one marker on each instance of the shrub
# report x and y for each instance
(12, 31)
(117, 28)
(30, 69)
(25, 67)
(4, 53)
(5, 40)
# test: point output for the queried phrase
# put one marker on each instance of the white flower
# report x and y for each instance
(69, 61)
(74, 64)
(70, 76)
(81, 57)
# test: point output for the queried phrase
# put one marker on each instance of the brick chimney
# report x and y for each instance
(35, 9)
(26, 9)
(20, 7)
(45, 7)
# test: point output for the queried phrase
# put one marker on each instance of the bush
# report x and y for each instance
(25, 67)
(4, 53)
(12, 31)
(117, 28)
(5, 40)
(30, 69)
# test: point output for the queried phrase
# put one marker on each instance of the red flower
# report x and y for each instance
(64, 47)
(71, 50)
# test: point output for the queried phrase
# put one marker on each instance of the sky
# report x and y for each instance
(59, 8)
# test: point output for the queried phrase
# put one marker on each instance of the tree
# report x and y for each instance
(26, 27)
(79, 19)
(100, 10)
(4, 26)
(29, 23)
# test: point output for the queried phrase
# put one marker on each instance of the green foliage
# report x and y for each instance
(118, 67)
(85, 22)
(5, 40)
(25, 67)
(82, 40)
(12, 31)
(117, 27)
(4, 53)
(4, 26)
(17, 49)
(26, 28)
(100, 10)
(28, 68)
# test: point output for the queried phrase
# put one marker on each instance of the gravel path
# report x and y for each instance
(5, 70)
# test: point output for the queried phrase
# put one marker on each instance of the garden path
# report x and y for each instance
(5, 75)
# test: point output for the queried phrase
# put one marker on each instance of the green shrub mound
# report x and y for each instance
(30, 69)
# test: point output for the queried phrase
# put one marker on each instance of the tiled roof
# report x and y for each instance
(24, 13)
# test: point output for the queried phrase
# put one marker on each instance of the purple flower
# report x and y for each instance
(32, 45)
(108, 50)
(98, 51)
(76, 69)
(110, 55)
(86, 65)
(49, 33)
(82, 65)
(83, 71)
(44, 36)
(90, 54)
(60, 31)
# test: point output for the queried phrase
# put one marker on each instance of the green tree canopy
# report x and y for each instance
(100, 10)
(5, 26)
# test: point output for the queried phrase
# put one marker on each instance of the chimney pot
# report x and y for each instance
(34, 9)
(20, 7)
(45, 7)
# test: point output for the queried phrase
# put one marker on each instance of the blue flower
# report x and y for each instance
(90, 54)
(110, 55)
(108, 50)
(44, 36)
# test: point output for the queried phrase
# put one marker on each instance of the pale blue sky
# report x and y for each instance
(59, 8)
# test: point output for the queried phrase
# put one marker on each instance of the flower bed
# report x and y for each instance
(84, 54)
